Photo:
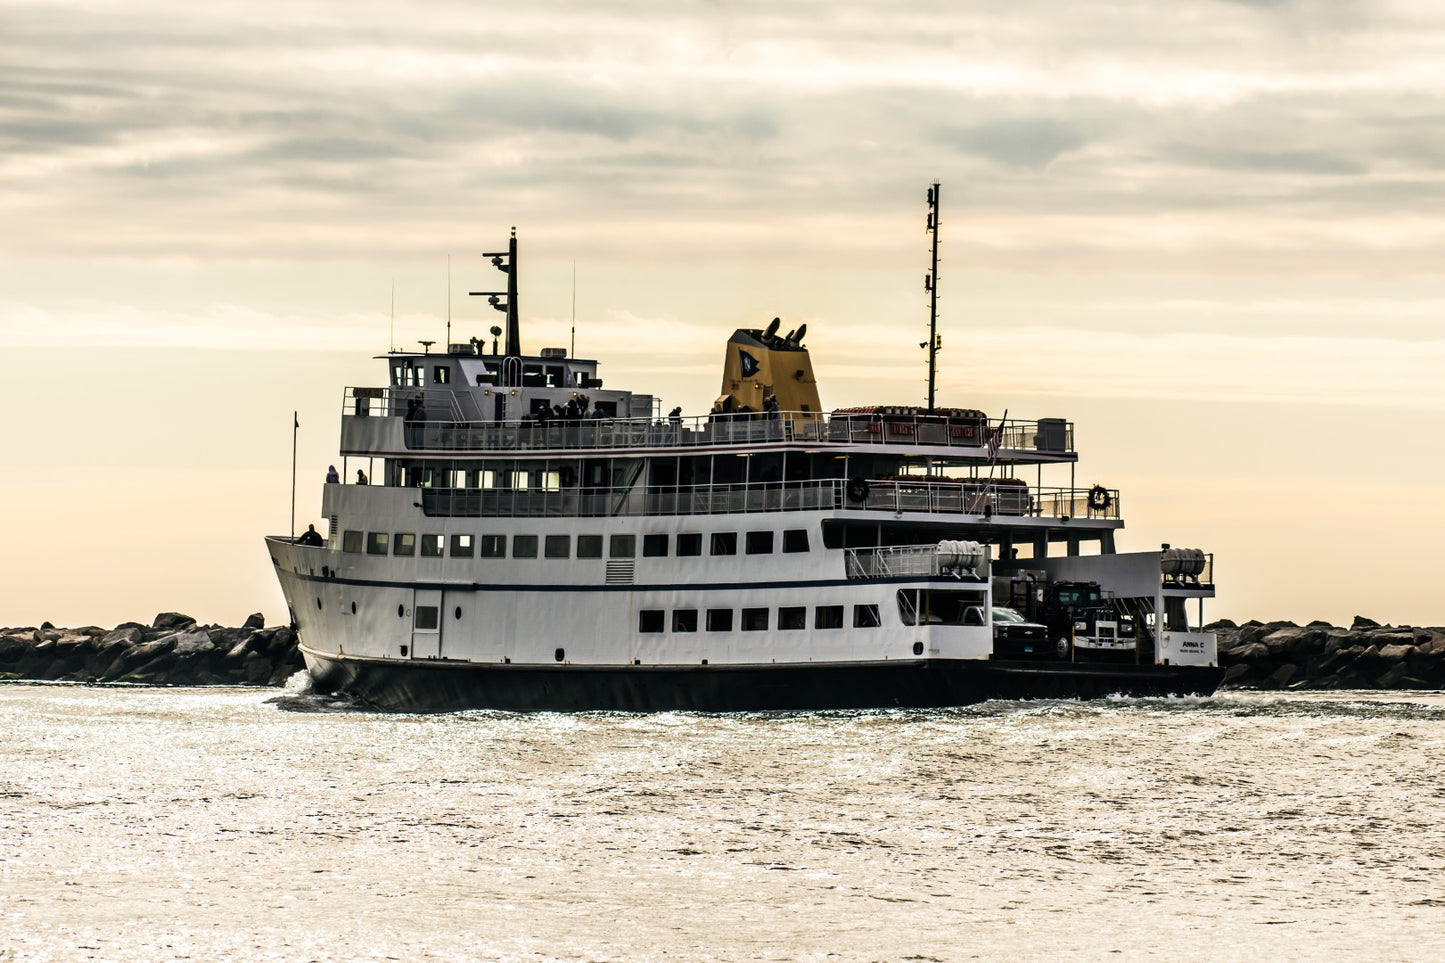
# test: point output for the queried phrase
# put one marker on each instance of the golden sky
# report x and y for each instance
(1207, 232)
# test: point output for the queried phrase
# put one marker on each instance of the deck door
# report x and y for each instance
(426, 624)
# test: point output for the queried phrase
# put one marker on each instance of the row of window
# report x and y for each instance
(757, 619)
(560, 546)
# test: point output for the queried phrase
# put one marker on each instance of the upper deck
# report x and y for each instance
(373, 424)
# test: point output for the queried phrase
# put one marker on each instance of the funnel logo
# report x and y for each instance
(750, 364)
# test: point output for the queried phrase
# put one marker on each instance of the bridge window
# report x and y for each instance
(441, 375)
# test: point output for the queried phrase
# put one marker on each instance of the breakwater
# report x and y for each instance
(172, 650)
(175, 650)
(1318, 655)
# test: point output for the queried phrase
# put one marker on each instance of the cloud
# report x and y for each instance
(1021, 143)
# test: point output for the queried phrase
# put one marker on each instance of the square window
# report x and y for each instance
(795, 540)
(793, 617)
(494, 546)
(828, 617)
(403, 543)
(759, 543)
(376, 543)
(755, 620)
(719, 620)
(724, 543)
(524, 546)
(426, 616)
(441, 375)
(866, 617)
(684, 620)
(650, 620)
(622, 546)
(589, 546)
(558, 546)
(431, 546)
(654, 546)
(689, 543)
(351, 542)
(462, 546)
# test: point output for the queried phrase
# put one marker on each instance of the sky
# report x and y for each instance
(1209, 233)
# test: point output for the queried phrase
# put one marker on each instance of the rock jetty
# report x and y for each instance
(172, 650)
(1367, 655)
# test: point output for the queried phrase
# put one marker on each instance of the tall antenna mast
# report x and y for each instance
(930, 284)
(572, 351)
(393, 315)
(449, 304)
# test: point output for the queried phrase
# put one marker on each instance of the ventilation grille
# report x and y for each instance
(619, 571)
(331, 529)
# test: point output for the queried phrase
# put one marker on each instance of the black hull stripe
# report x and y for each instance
(401, 686)
(634, 587)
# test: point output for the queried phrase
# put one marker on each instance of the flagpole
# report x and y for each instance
(994, 442)
(295, 428)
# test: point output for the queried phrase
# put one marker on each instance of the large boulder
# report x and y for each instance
(254, 621)
(172, 620)
(1362, 623)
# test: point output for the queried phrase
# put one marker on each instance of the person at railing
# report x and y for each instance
(360, 477)
(332, 478)
(309, 537)
(770, 407)
(674, 417)
(415, 419)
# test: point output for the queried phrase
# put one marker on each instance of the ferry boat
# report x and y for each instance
(529, 539)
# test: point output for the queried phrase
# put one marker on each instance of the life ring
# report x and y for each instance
(1099, 499)
(567, 476)
(857, 490)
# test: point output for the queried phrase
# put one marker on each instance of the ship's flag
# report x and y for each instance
(995, 435)
(750, 364)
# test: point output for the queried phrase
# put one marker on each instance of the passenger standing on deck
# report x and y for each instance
(332, 478)
(360, 477)
(309, 537)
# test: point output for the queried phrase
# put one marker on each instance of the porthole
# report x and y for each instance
(457, 614)
(560, 654)
(353, 608)
(918, 648)
(401, 611)
(318, 605)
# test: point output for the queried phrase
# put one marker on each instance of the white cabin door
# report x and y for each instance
(426, 624)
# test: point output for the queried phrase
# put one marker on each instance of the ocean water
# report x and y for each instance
(145, 824)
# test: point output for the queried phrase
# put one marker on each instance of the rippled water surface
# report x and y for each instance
(209, 823)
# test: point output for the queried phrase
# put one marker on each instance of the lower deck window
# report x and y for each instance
(866, 617)
(426, 617)
(558, 546)
(650, 620)
(684, 620)
(589, 546)
(376, 543)
(462, 546)
(431, 545)
(828, 617)
(689, 543)
(350, 542)
(524, 546)
(793, 617)
(403, 543)
(755, 620)
(654, 546)
(719, 620)
(494, 546)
